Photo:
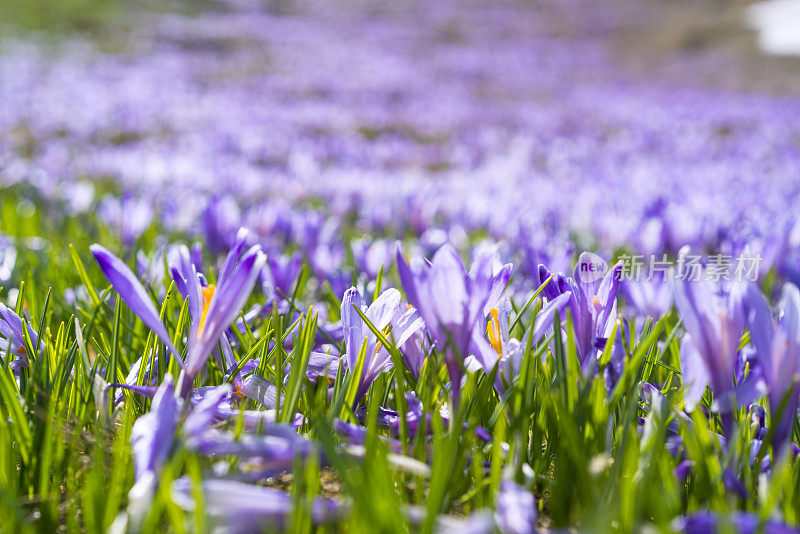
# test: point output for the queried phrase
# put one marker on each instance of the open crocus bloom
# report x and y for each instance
(593, 306)
(452, 300)
(505, 351)
(383, 314)
(212, 309)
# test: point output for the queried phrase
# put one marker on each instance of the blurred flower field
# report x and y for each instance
(403, 267)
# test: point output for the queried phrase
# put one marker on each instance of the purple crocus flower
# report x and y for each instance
(451, 300)
(778, 354)
(152, 434)
(593, 304)
(503, 350)
(12, 340)
(241, 507)
(234, 284)
(358, 335)
(416, 418)
(714, 322)
(152, 437)
(212, 308)
(515, 511)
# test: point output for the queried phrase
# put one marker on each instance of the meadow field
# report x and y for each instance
(350, 266)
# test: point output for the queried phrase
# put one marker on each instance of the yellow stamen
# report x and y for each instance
(493, 331)
(386, 331)
(208, 294)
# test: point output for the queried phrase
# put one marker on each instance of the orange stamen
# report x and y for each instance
(378, 345)
(493, 331)
(208, 294)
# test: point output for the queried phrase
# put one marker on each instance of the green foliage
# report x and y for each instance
(576, 442)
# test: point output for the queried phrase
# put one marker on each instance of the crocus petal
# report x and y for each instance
(133, 294)
(498, 284)
(694, 373)
(322, 364)
(231, 295)
(407, 279)
(607, 295)
(207, 412)
(276, 450)
(225, 305)
(448, 286)
(352, 326)
(153, 433)
(383, 309)
(483, 352)
(261, 390)
(243, 508)
(588, 283)
(255, 419)
(478, 522)
(693, 300)
(145, 391)
(759, 320)
(227, 352)
(482, 283)
(750, 389)
(414, 354)
(233, 254)
(405, 326)
(740, 522)
(5, 329)
(13, 327)
(185, 275)
(550, 291)
(414, 279)
(546, 316)
(790, 308)
(683, 470)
